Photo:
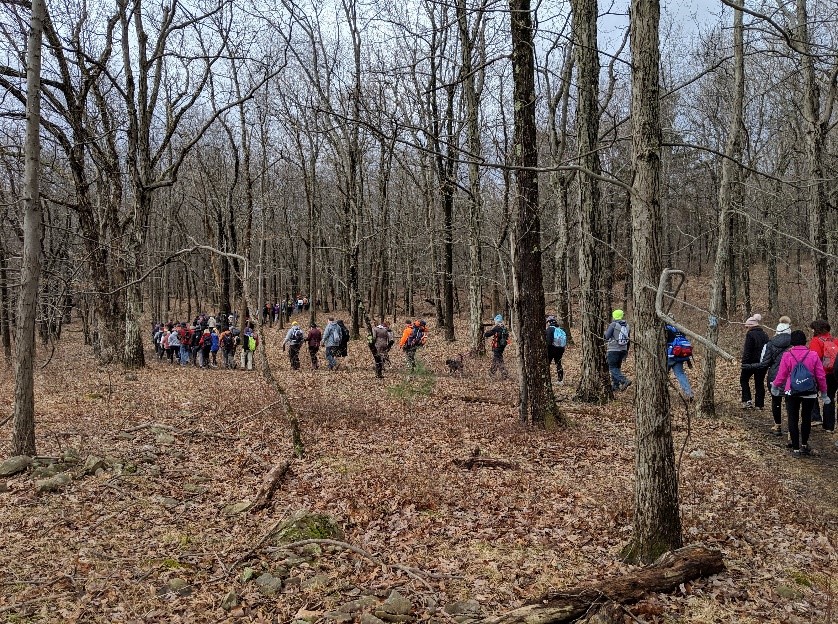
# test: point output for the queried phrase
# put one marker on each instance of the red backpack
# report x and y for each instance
(830, 354)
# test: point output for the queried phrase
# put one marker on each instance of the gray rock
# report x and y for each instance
(463, 607)
(318, 581)
(247, 574)
(53, 484)
(397, 604)
(369, 618)
(353, 606)
(45, 472)
(393, 617)
(14, 465)
(92, 464)
(698, 454)
(70, 456)
(125, 435)
(195, 489)
(230, 600)
(236, 508)
(168, 502)
(268, 584)
(130, 377)
(164, 438)
(176, 584)
(304, 525)
(787, 592)
(4, 487)
(338, 617)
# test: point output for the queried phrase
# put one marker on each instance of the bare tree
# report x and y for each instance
(657, 523)
(23, 432)
(537, 403)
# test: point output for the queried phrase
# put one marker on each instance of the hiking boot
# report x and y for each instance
(805, 450)
(625, 385)
(795, 453)
(817, 422)
(777, 430)
(747, 405)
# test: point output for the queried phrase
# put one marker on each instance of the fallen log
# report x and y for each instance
(665, 575)
(269, 486)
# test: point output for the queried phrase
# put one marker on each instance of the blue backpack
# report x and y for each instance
(802, 379)
(559, 337)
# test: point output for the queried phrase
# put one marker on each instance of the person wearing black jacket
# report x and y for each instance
(755, 340)
(770, 362)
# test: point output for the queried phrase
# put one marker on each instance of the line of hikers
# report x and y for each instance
(785, 366)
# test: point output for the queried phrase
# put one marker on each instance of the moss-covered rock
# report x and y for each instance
(304, 525)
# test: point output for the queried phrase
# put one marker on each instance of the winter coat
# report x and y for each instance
(331, 336)
(495, 331)
(612, 334)
(772, 353)
(314, 338)
(809, 359)
(755, 340)
(381, 337)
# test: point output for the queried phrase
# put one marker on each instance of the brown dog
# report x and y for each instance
(456, 366)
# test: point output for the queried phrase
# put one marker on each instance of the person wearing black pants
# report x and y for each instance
(755, 340)
(825, 346)
(770, 362)
(801, 388)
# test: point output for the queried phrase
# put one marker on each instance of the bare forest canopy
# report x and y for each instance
(362, 153)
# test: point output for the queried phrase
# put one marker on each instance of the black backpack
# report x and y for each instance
(501, 338)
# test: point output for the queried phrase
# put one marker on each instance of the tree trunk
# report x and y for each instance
(817, 201)
(23, 431)
(537, 403)
(728, 190)
(594, 259)
(657, 524)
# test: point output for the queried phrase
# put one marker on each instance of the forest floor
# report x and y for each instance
(154, 535)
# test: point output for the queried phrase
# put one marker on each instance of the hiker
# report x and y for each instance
(500, 338)
(172, 345)
(755, 340)
(313, 339)
(249, 343)
(331, 340)
(294, 338)
(227, 344)
(382, 338)
(343, 345)
(205, 346)
(769, 360)
(214, 345)
(801, 377)
(827, 349)
(617, 337)
(556, 343)
(679, 351)
(413, 337)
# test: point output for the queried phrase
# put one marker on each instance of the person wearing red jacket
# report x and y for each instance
(825, 346)
(799, 404)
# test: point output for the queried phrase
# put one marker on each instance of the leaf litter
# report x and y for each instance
(147, 538)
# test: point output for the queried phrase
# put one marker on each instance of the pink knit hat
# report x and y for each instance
(753, 321)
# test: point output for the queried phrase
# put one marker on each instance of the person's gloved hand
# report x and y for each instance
(825, 398)
(775, 391)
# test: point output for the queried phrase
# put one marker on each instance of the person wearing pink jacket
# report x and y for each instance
(800, 401)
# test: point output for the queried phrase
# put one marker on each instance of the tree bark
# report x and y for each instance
(537, 403)
(594, 259)
(729, 193)
(23, 428)
(657, 523)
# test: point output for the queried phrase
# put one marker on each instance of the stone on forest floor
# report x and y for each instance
(230, 600)
(269, 584)
(463, 607)
(93, 464)
(236, 508)
(303, 525)
(369, 618)
(53, 484)
(14, 465)
(353, 606)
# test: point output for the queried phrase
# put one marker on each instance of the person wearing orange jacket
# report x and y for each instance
(825, 346)
(412, 338)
